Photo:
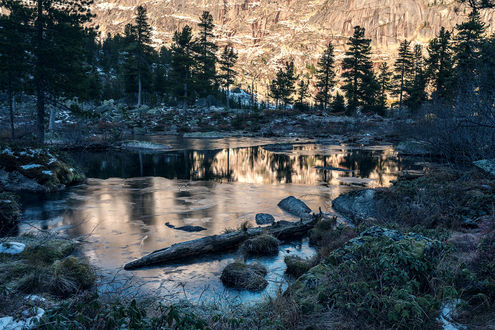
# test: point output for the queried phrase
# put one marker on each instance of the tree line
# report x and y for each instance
(48, 51)
(452, 62)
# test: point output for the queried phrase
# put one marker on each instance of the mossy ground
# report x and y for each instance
(10, 210)
(42, 165)
(45, 268)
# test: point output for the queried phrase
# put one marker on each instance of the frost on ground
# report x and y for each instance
(12, 248)
(8, 322)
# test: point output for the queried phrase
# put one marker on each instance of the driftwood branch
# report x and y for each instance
(282, 230)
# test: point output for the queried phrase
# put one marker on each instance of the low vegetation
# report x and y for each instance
(263, 245)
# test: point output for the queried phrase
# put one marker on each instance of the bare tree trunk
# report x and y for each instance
(11, 110)
(185, 96)
(139, 90)
(40, 93)
(228, 97)
(51, 124)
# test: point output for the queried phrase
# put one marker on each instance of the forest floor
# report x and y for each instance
(418, 254)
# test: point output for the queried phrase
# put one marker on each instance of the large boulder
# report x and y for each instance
(35, 170)
(356, 205)
(295, 207)
(239, 275)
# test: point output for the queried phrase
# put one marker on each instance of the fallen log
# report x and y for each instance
(283, 230)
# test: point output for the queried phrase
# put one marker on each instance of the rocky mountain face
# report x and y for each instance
(268, 32)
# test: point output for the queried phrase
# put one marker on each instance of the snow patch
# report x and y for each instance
(47, 173)
(12, 248)
(30, 166)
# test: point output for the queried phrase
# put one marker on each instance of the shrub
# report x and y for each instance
(380, 278)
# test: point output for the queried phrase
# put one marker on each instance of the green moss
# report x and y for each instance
(263, 245)
(70, 275)
(48, 251)
(243, 276)
(296, 266)
(381, 279)
(10, 211)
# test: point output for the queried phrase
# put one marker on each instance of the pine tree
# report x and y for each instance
(59, 25)
(440, 65)
(417, 89)
(479, 4)
(282, 87)
(467, 47)
(359, 82)
(338, 104)
(182, 63)
(403, 70)
(302, 94)
(227, 63)
(137, 66)
(160, 72)
(385, 82)
(289, 81)
(14, 54)
(205, 78)
(325, 76)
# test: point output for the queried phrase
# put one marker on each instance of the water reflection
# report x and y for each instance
(122, 209)
(302, 165)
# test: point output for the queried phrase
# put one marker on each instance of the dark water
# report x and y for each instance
(129, 196)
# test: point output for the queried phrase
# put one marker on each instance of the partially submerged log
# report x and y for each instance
(282, 230)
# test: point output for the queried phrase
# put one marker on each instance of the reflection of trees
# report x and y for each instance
(283, 165)
(142, 202)
(248, 165)
(365, 161)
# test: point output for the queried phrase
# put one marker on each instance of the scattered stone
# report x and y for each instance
(356, 205)
(189, 229)
(264, 219)
(487, 165)
(239, 275)
(12, 247)
(263, 245)
(295, 206)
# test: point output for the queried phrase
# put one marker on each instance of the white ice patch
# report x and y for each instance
(52, 160)
(8, 322)
(8, 152)
(30, 166)
(446, 316)
(47, 173)
(12, 248)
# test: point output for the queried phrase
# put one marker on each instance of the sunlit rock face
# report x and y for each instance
(269, 32)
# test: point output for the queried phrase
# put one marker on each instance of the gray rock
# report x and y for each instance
(264, 219)
(295, 206)
(356, 205)
(15, 181)
(487, 165)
